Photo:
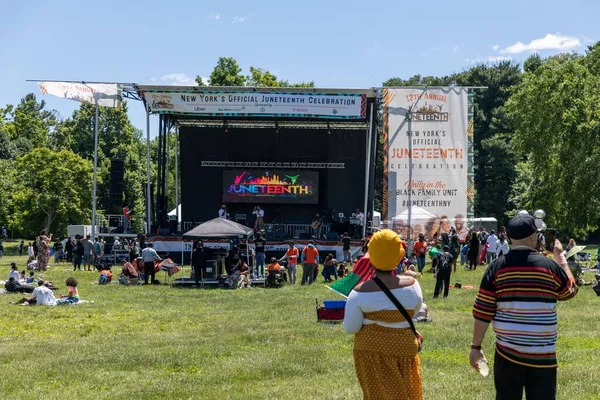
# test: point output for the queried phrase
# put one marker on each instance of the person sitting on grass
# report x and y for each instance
(23, 276)
(129, 274)
(105, 276)
(31, 277)
(239, 275)
(329, 268)
(14, 286)
(14, 271)
(72, 295)
(32, 263)
(41, 296)
(411, 271)
(342, 269)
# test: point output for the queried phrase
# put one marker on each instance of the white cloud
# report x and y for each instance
(239, 20)
(488, 59)
(214, 16)
(495, 47)
(175, 79)
(455, 49)
(548, 42)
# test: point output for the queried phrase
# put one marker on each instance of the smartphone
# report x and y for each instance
(549, 237)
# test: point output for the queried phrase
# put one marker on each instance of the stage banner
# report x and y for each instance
(427, 128)
(334, 106)
(108, 95)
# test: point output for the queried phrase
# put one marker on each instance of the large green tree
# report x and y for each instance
(117, 139)
(556, 115)
(228, 72)
(495, 157)
(27, 125)
(53, 190)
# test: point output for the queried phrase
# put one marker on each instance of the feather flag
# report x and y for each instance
(362, 271)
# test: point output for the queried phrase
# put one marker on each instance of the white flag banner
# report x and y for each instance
(107, 94)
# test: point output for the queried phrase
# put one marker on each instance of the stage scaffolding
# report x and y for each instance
(171, 121)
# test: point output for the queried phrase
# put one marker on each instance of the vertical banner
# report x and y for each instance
(426, 136)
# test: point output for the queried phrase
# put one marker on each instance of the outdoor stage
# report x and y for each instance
(295, 152)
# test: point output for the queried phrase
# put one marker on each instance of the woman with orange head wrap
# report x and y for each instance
(385, 347)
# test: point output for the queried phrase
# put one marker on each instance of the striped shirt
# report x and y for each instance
(518, 294)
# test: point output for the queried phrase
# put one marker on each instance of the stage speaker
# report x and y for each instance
(173, 227)
(211, 269)
(116, 183)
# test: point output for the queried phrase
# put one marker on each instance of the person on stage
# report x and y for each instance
(360, 221)
(223, 212)
(317, 226)
(259, 223)
(126, 217)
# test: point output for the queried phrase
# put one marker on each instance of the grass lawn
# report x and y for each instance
(165, 343)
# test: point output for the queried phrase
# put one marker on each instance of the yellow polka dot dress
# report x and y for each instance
(386, 360)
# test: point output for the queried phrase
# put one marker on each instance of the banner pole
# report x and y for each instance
(148, 204)
(367, 172)
(95, 171)
(177, 174)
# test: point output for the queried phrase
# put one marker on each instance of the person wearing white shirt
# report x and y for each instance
(491, 252)
(41, 296)
(148, 257)
(223, 212)
(259, 224)
(14, 272)
(502, 248)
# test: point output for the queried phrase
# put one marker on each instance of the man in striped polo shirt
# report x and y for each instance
(518, 294)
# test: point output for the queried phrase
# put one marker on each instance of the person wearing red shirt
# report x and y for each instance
(420, 251)
(310, 260)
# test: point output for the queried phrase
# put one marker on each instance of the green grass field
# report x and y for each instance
(166, 343)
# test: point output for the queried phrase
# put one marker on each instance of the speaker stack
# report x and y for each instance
(117, 184)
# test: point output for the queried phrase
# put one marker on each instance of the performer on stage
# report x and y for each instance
(126, 217)
(317, 225)
(223, 212)
(357, 227)
(259, 223)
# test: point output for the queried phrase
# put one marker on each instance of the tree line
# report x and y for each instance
(536, 143)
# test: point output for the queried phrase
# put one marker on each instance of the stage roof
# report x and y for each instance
(370, 93)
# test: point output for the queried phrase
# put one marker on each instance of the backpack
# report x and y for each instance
(445, 262)
(103, 280)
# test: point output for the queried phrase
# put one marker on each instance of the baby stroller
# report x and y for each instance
(276, 279)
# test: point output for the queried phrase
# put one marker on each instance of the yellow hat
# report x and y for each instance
(385, 250)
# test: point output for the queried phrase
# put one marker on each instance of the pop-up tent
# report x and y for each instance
(176, 212)
(417, 214)
(220, 228)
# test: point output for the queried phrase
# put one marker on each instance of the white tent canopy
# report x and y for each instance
(176, 211)
(417, 214)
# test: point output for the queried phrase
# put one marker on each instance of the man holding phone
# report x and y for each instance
(518, 294)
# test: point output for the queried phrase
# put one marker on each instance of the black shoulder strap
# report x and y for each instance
(394, 300)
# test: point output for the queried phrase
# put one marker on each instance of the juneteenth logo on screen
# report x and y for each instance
(270, 186)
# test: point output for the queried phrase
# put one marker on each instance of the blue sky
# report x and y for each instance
(347, 44)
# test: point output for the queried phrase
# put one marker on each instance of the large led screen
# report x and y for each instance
(275, 186)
